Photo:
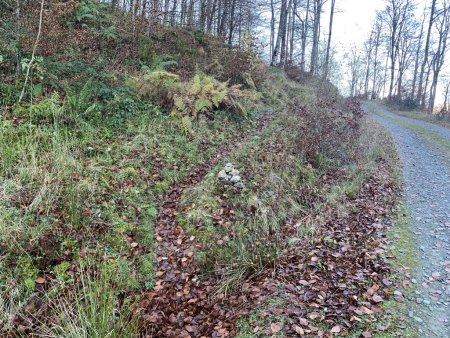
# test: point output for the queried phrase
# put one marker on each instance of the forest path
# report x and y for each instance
(424, 150)
(181, 303)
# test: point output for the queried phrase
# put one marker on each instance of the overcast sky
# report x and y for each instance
(353, 21)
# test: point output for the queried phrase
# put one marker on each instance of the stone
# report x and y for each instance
(235, 179)
(228, 167)
(222, 175)
(419, 300)
(418, 319)
(239, 185)
(411, 314)
(414, 281)
(397, 293)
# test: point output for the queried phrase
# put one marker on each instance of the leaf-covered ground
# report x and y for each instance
(328, 277)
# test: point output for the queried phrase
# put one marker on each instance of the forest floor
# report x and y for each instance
(424, 150)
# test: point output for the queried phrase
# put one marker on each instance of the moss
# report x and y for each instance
(60, 272)
(146, 270)
(27, 271)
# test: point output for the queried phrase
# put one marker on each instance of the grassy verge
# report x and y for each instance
(419, 115)
(402, 254)
(404, 260)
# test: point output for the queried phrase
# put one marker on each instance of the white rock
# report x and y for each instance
(222, 175)
(228, 167)
(235, 179)
(239, 185)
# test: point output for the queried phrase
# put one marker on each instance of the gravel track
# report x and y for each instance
(426, 175)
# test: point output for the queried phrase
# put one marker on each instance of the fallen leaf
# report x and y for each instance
(314, 315)
(257, 328)
(299, 330)
(40, 280)
(436, 275)
(275, 327)
(336, 329)
(377, 298)
(366, 310)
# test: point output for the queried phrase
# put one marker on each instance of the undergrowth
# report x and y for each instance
(283, 168)
(75, 176)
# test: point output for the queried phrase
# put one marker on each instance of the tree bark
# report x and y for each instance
(315, 47)
(305, 36)
(272, 27)
(379, 27)
(327, 58)
(425, 58)
(280, 33)
(416, 64)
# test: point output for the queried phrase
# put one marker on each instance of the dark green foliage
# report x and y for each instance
(9, 93)
(404, 104)
(120, 104)
(97, 17)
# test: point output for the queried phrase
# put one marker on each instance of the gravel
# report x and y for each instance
(426, 175)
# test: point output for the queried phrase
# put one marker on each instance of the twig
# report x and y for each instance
(34, 51)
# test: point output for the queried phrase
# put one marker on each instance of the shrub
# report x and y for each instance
(8, 94)
(328, 132)
(405, 104)
(80, 104)
(200, 96)
(97, 16)
(121, 104)
(156, 86)
(49, 110)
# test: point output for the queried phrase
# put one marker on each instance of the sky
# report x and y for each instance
(353, 21)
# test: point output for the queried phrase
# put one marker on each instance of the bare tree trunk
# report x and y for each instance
(18, 40)
(366, 80)
(425, 59)
(292, 46)
(385, 75)
(424, 94)
(379, 28)
(315, 47)
(283, 34)
(327, 58)
(304, 37)
(446, 94)
(223, 20)
(443, 28)
(232, 23)
(280, 33)
(272, 27)
(416, 64)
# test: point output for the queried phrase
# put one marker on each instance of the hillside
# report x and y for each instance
(172, 185)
